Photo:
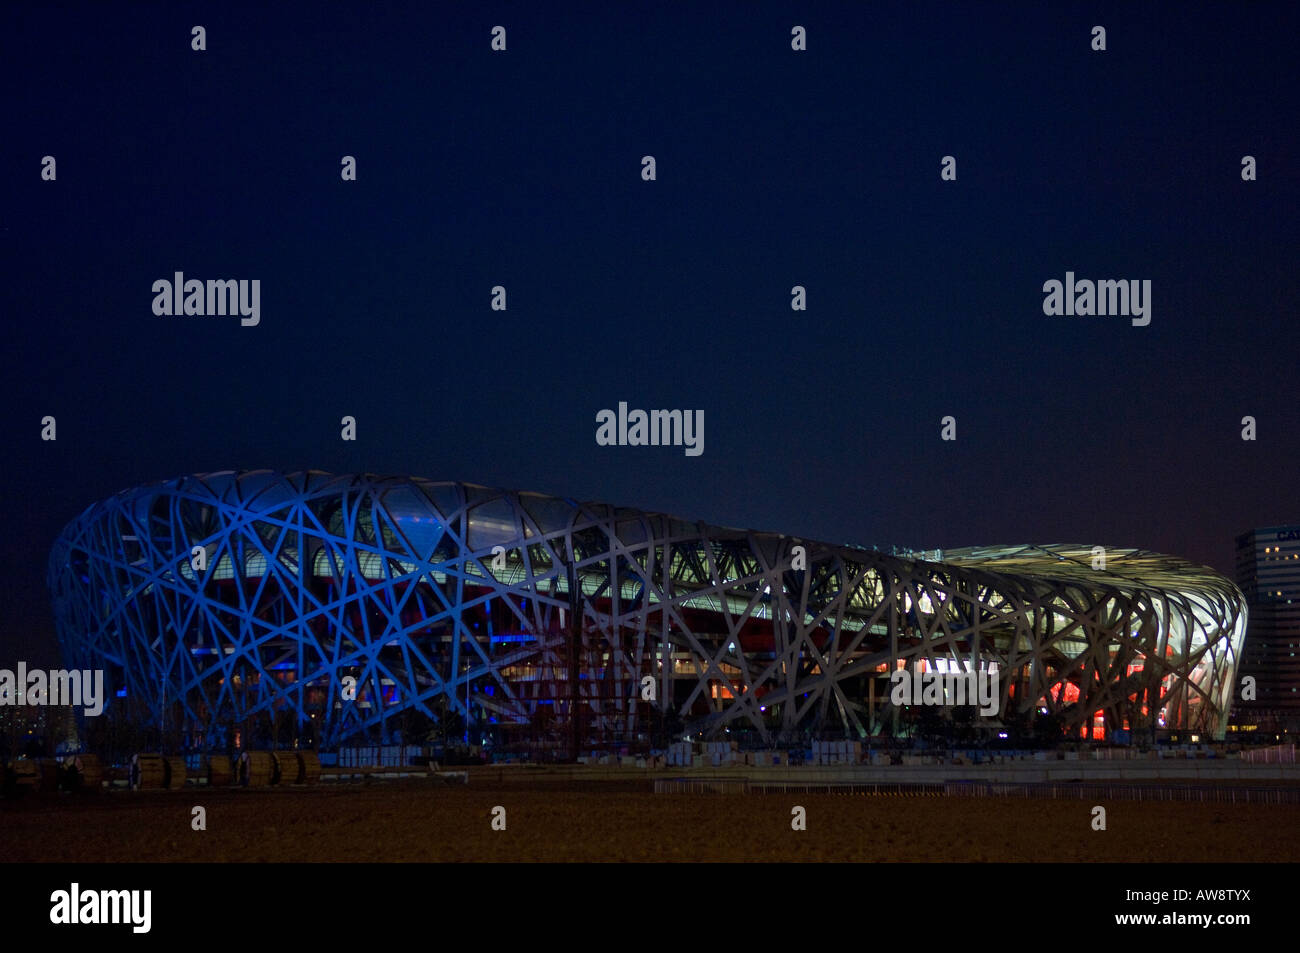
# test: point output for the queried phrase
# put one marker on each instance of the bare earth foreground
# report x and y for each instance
(622, 821)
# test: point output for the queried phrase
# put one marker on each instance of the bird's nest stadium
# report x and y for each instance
(326, 609)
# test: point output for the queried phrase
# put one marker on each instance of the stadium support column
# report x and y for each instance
(575, 646)
(892, 594)
(871, 703)
(665, 694)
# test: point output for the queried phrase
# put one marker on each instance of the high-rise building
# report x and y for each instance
(1268, 573)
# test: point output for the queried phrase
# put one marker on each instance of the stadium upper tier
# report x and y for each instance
(221, 602)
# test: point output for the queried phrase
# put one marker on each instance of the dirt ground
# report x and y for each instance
(422, 821)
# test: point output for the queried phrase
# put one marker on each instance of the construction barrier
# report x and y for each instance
(148, 772)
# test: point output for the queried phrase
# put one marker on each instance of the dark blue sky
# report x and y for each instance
(775, 168)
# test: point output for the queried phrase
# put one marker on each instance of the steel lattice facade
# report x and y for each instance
(594, 623)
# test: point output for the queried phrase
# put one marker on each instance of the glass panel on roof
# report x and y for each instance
(550, 514)
(414, 518)
(631, 531)
(263, 491)
(491, 524)
(445, 496)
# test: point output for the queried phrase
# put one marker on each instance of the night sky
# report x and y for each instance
(774, 168)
